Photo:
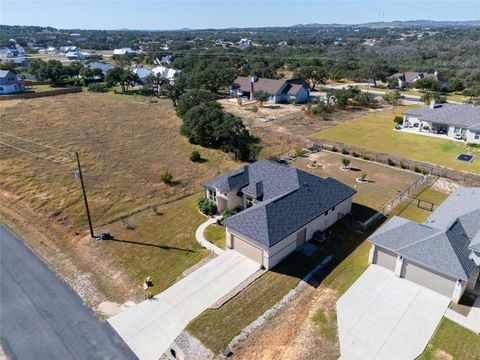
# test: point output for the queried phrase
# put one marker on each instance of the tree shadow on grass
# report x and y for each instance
(163, 247)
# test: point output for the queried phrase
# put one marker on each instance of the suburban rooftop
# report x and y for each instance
(290, 198)
(444, 241)
(465, 115)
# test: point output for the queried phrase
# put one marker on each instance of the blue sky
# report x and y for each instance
(197, 14)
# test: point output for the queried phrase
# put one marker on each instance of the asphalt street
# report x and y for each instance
(41, 317)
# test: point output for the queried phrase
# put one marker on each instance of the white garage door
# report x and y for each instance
(386, 258)
(247, 249)
(428, 278)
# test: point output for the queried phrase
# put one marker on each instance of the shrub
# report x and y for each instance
(364, 177)
(228, 213)
(298, 152)
(473, 145)
(334, 148)
(254, 108)
(366, 157)
(403, 165)
(417, 169)
(345, 162)
(195, 156)
(97, 87)
(354, 154)
(424, 171)
(391, 162)
(398, 120)
(345, 151)
(206, 206)
(167, 178)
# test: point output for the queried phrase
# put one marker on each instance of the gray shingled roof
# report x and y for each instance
(465, 115)
(291, 199)
(444, 241)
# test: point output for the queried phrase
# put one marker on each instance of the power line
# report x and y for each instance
(36, 143)
(37, 155)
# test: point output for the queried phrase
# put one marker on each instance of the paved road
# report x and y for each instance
(41, 317)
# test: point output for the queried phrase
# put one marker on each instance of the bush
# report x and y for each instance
(345, 162)
(167, 178)
(391, 162)
(403, 165)
(334, 148)
(366, 157)
(345, 151)
(417, 169)
(354, 154)
(398, 120)
(254, 108)
(228, 213)
(206, 206)
(97, 87)
(195, 156)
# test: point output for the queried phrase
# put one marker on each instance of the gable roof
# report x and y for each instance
(99, 65)
(270, 86)
(444, 241)
(465, 115)
(290, 198)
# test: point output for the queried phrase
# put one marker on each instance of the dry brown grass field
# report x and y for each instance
(125, 144)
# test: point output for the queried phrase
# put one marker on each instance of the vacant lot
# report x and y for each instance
(386, 183)
(124, 145)
(375, 132)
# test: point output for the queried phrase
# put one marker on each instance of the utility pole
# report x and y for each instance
(84, 195)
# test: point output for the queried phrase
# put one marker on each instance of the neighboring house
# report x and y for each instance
(123, 51)
(409, 77)
(283, 208)
(6, 53)
(456, 121)
(19, 50)
(9, 83)
(52, 50)
(166, 73)
(443, 253)
(142, 73)
(99, 65)
(280, 91)
(76, 55)
(69, 48)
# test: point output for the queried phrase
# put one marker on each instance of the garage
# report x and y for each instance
(428, 278)
(245, 248)
(385, 258)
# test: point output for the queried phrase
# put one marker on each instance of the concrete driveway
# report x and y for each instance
(384, 317)
(150, 327)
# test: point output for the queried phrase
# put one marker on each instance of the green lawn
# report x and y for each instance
(216, 235)
(454, 340)
(162, 246)
(43, 88)
(375, 132)
(451, 97)
(411, 211)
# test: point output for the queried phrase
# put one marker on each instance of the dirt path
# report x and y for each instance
(292, 334)
(68, 253)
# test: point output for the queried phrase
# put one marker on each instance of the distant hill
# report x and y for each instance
(400, 24)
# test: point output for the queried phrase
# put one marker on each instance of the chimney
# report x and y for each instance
(432, 104)
(252, 88)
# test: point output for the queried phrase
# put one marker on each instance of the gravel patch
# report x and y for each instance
(292, 294)
(191, 348)
(445, 185)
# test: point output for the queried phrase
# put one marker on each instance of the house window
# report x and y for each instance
(1, 88)
(477, 135)
(249, 201)
(458, 130)
(212, 195)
